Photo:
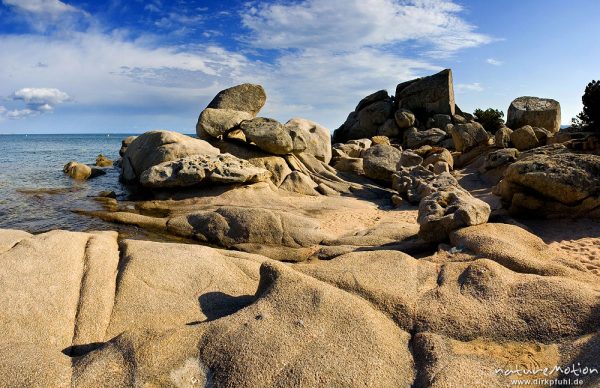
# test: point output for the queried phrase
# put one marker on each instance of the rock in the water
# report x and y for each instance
(445, 211)
(380, 161)
(217, 122)
(81, 171)
(248, 98)
(414, 138)
(268, 135)
(404, 118)
(103, 161)
(77, 171)
(524, 138)
(502, 137)
(433, 94)
(156, 147)
(310, 137)
(534, 111)
(298, 182)
(200, 169)
(553, 183)
(469, 136)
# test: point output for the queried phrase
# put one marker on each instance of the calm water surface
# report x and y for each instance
(35, 194)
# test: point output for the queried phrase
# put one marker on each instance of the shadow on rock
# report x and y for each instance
(217, 305)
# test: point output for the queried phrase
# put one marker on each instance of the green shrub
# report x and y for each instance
(491, 119)
(589, 118)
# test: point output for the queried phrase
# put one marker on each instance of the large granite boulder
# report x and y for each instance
(553, 182)
(524, 138)
(310, 137)
(468, 136)
(217, 122)
(125, 143)
(433, 94)
(369, 116)
(502, 137)
(156, 147)
(248, 98)
(534, 111)
(200, 169)
(268, 135)
(380, 161)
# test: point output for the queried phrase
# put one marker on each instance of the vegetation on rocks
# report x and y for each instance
(589, 118)
(491, 119)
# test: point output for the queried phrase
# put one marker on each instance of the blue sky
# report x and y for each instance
(131, 66)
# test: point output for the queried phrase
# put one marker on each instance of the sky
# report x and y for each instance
(130, 66)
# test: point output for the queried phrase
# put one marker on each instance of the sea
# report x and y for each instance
(35, 194)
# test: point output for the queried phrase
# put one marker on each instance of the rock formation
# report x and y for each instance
(433, 94)
(534, 111)
(381, 260)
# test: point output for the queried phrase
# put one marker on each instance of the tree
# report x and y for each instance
(589, 118)
(491, 119)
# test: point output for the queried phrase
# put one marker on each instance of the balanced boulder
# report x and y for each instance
(248, 98)
(534, 111)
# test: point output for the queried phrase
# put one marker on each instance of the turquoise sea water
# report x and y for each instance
(35, 194)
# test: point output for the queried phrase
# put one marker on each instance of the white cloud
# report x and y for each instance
(104, 72)
(472, 87)
(494, 62)
(328, 54)
(52, 7)
(37, 100)
(40, 96)
(352, 24)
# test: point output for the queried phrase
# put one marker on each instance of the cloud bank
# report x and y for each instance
(316, 58)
